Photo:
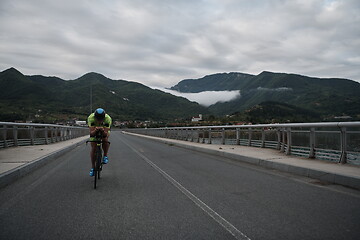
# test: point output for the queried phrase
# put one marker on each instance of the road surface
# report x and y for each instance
(153, 190)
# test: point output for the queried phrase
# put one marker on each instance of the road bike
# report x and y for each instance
(98, 156)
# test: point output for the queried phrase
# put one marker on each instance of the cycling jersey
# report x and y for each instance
(93, 123)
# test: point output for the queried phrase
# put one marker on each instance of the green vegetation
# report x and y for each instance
(265, 98)
(51, 99)
(328, 98)
(275, 112)
(215, 82)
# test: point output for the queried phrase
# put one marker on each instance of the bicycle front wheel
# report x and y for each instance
(98, 156)
(95, 172)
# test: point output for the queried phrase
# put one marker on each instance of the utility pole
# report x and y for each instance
(91, 98)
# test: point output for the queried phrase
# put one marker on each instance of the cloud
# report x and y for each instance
(205, 98)
(159, 43)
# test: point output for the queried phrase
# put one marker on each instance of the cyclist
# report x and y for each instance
(99, 121)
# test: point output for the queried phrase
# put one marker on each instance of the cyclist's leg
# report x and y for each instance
(105, 146)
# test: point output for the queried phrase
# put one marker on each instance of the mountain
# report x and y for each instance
(266, 97)
(326, 96)
(275, 112)
(215, 82)
(49, 98)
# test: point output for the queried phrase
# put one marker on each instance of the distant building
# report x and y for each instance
(81, 123)
(343, 117)
(197, 119)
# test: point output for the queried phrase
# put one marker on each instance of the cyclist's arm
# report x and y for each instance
(93, 131)
(91, 124)
(104, 131)
(107, 125)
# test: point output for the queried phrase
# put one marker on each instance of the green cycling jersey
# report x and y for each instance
(93, 123)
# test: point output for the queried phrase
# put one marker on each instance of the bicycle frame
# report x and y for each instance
(98, 156)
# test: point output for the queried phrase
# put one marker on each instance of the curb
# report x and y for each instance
(12, 175)
(333, 178)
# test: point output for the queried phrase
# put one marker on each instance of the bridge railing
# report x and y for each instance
(332, 141)
(22, 134)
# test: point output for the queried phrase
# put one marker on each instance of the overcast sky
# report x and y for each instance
(160, 42)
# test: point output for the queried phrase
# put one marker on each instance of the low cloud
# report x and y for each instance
(205, 98)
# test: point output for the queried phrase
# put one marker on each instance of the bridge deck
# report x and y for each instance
(18, 160)
(172, 190)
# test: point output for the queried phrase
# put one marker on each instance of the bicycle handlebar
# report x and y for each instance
(98, 137)
(98, 141)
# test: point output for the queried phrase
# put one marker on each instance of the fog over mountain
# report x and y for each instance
(205, 98)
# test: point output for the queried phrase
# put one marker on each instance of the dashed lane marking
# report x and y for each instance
(209, 211)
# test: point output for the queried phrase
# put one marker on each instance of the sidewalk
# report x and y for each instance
(342, 174)
(15, 162)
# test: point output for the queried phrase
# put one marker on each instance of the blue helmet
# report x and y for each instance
(99, 114)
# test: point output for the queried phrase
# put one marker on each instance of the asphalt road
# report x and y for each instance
(152, 190)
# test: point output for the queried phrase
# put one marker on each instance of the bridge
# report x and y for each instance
(186, 183)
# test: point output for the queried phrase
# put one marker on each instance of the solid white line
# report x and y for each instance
(214, 215)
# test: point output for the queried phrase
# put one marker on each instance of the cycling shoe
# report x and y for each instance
(91, 172)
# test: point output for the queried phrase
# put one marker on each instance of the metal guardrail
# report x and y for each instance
(22, 134)
(332, 141)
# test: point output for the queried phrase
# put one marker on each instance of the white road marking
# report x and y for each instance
(214, 215)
